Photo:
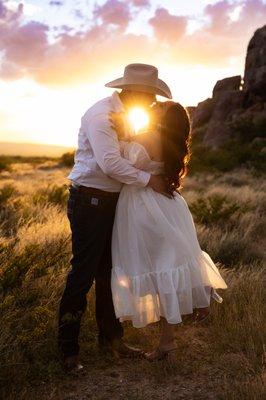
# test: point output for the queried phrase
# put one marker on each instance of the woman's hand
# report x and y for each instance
(119, 124)
(158, 184)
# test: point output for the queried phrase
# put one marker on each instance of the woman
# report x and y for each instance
(159, 270)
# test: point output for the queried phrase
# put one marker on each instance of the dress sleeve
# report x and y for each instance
(136, 154)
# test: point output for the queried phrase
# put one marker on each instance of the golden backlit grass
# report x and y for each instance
(220, 359)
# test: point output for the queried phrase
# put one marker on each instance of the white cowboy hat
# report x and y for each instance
(141, 78)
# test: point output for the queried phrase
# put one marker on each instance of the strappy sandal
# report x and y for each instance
(201, 315)
(159, 354)
(197, 316)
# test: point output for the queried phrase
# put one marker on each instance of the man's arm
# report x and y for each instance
(105, 146)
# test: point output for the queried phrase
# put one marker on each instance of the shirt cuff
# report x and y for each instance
(143, 178)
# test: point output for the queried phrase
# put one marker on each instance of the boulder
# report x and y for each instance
(190, 110)
(255, 65)
(216, 134)
(225, 107)
(203, 112)
(227, 104)
(227, 84)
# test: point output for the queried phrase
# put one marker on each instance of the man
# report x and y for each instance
(97, 178)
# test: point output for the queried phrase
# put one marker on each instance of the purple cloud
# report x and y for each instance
(3, 10)
(7, 15)
(26, 45)
(252, 13)
(78, 14)
(56, 3)
(141, 3)
(113, 12)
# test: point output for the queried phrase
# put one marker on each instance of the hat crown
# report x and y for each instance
(142, 78)
(140, 73)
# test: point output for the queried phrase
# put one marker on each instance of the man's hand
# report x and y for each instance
(119, 124)
(158, 184)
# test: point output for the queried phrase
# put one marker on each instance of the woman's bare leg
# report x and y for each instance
(167, 339)
(166, 343)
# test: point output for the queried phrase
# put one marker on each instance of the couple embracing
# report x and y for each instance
(132, 231)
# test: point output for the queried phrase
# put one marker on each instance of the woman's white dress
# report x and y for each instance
(159, 268)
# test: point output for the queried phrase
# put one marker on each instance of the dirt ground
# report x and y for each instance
(196, 373)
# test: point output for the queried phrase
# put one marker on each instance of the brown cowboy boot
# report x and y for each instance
(72, 364)
(121, 349)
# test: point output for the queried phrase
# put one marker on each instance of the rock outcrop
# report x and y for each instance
(227, 84)
(233, 101)
(255, 67)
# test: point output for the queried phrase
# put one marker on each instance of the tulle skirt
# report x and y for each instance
(159, 268)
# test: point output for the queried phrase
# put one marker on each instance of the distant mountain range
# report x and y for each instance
(32, 149)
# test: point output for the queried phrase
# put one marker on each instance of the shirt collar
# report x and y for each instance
(117, 104)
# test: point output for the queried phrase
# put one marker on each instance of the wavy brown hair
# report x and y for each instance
(176, 138)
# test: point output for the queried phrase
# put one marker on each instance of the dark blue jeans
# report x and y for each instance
(91, 220)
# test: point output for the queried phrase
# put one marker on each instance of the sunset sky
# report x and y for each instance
(56, 56)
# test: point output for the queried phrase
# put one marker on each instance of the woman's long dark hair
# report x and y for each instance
(176, 137)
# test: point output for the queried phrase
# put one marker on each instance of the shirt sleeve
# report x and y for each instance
(105, 146)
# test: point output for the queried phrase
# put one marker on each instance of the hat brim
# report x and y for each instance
(161, 89)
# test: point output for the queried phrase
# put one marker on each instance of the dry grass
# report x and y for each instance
(221, 359)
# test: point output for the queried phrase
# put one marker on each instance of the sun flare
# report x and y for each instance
(138, 118)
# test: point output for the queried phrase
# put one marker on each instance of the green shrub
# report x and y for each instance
(231, 252)
(9, 220)
(259, 123)
(231, 155)
(246, 127)
(199, 133)
(67, 159)
(205, 158)
(213, 209)
(4, 163)
(6, 192)
(242, 128)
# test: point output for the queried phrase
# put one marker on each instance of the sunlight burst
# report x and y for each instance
(138, 118)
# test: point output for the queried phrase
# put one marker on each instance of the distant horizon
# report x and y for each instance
(35, 143)
(25, 149)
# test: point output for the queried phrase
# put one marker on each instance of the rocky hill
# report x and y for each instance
(237, 108)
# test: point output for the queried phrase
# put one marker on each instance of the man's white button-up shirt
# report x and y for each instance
(98, 162)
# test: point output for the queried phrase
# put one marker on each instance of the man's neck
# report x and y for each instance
(124, 99)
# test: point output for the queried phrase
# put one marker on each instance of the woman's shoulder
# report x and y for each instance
(151, 142)
(143, 138)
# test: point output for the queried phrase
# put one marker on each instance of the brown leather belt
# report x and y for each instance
(95, 192)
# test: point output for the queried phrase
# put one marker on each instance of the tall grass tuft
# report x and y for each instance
(6, 192)
(55, 195)
(240, 325)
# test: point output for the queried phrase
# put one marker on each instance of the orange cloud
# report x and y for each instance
(168, 27)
